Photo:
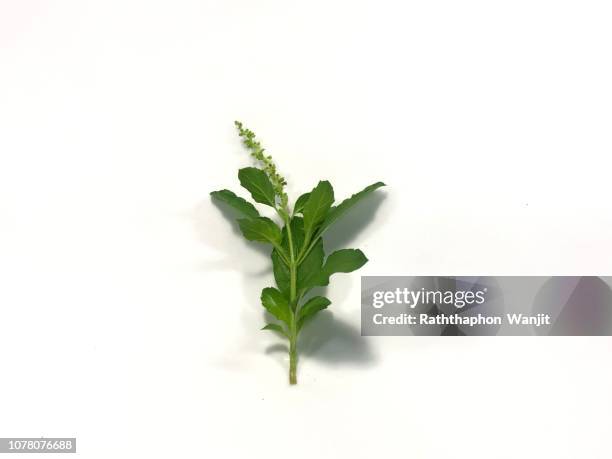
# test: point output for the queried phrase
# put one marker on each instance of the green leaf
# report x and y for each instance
(276, 304)
(276, 328)
(310, 270)
(299, 204)
(242, 206)
(341, 261)
(281, 273)
(336, 212)
(259, 185)
(310, 308)
(316, 207)
(345, 261)
(260, 229)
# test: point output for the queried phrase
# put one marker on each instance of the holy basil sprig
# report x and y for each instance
(298, 257)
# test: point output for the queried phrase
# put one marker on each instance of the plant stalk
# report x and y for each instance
(293, 330)
(293, 359)
(293, 305)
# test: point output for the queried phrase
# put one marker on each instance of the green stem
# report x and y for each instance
(293, 305)
(292, 267)
(293, 356)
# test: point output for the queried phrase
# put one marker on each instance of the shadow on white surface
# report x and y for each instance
(330, 341)
(346, 229)
(234, 251)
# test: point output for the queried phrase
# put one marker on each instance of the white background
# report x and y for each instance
(129, 303)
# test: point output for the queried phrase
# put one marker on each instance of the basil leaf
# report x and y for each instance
(260, 229)
(344, 261)
(276, 304)
(242, 206)
(336, 212)
(310, 308)
(341, 261)
(316, 207)
(259, 185)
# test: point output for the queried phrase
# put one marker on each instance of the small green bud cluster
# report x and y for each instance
(257, 152)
